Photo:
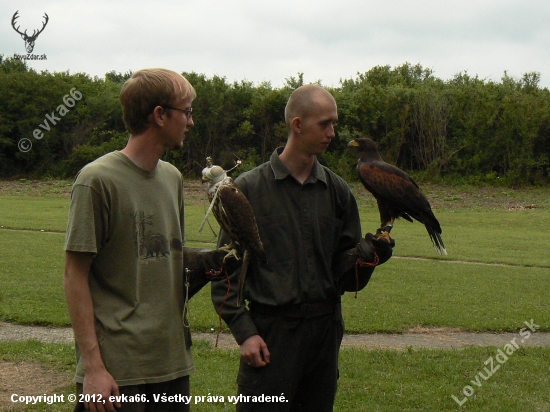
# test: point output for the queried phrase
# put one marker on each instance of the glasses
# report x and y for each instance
(188, 112)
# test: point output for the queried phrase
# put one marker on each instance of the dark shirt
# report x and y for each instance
(309, 232)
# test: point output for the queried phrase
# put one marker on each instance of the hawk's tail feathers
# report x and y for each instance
(262, 256)
(436, 240)
(257, 248)
(242, 277)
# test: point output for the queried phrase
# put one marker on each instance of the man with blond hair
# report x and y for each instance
(290, 334)
(124, 266)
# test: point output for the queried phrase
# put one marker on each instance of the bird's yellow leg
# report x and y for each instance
(232, 252)
(228, 248)
(384, 231)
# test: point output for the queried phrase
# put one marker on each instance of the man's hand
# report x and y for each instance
(369, 245)
(97, 381)
(254, 351)
(214, 260)
(100, 382)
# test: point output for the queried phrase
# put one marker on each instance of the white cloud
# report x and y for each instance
(272, 40)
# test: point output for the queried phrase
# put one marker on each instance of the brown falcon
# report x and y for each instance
(235, 216)
(396, 193)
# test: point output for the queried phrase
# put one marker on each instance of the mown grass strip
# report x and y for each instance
(402, 293)
(479, 235)
(405, 293)
(34, 213)
(491, 236)
(31, 276)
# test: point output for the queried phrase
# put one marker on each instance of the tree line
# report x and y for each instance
(465, 129)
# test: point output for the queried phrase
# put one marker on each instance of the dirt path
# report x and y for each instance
(436, 338)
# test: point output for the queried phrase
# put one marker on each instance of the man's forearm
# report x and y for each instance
(193, 261)
(81, 311)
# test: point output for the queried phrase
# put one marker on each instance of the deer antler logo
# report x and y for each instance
(29, 40)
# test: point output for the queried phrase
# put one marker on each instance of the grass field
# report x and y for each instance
(496, 276)
(377, 380)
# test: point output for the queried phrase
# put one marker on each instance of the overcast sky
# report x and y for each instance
(259, 40)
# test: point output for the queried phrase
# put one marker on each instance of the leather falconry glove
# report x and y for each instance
(203, 265)
(214, 260)
(373, 250)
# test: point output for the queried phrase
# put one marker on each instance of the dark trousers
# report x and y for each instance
(303, 367)
(176, 387)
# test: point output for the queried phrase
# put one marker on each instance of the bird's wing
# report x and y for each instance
(395, 188)
(239, 216)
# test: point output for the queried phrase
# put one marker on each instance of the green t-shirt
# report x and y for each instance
(132, 220)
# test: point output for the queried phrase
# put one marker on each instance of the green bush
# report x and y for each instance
(465, 129)
(86, 153)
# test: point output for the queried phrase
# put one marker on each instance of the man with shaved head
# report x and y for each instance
(290, 333)
(302, 100)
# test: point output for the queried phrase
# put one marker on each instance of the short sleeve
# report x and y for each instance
(85, 226)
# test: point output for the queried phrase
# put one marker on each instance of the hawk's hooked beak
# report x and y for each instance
(353, 143)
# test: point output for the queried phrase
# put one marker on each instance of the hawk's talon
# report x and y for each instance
(383, 234)
(233, 253)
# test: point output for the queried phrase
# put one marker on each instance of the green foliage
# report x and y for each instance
(88, 152)
(38, 101)
(12, 65)
(345, 164)
(249, 160)
(118, 77)
(464, 128)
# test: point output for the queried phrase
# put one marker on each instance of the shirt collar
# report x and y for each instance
(281, 171)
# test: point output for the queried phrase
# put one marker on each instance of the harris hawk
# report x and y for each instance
(235, 216)
(396, 193)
